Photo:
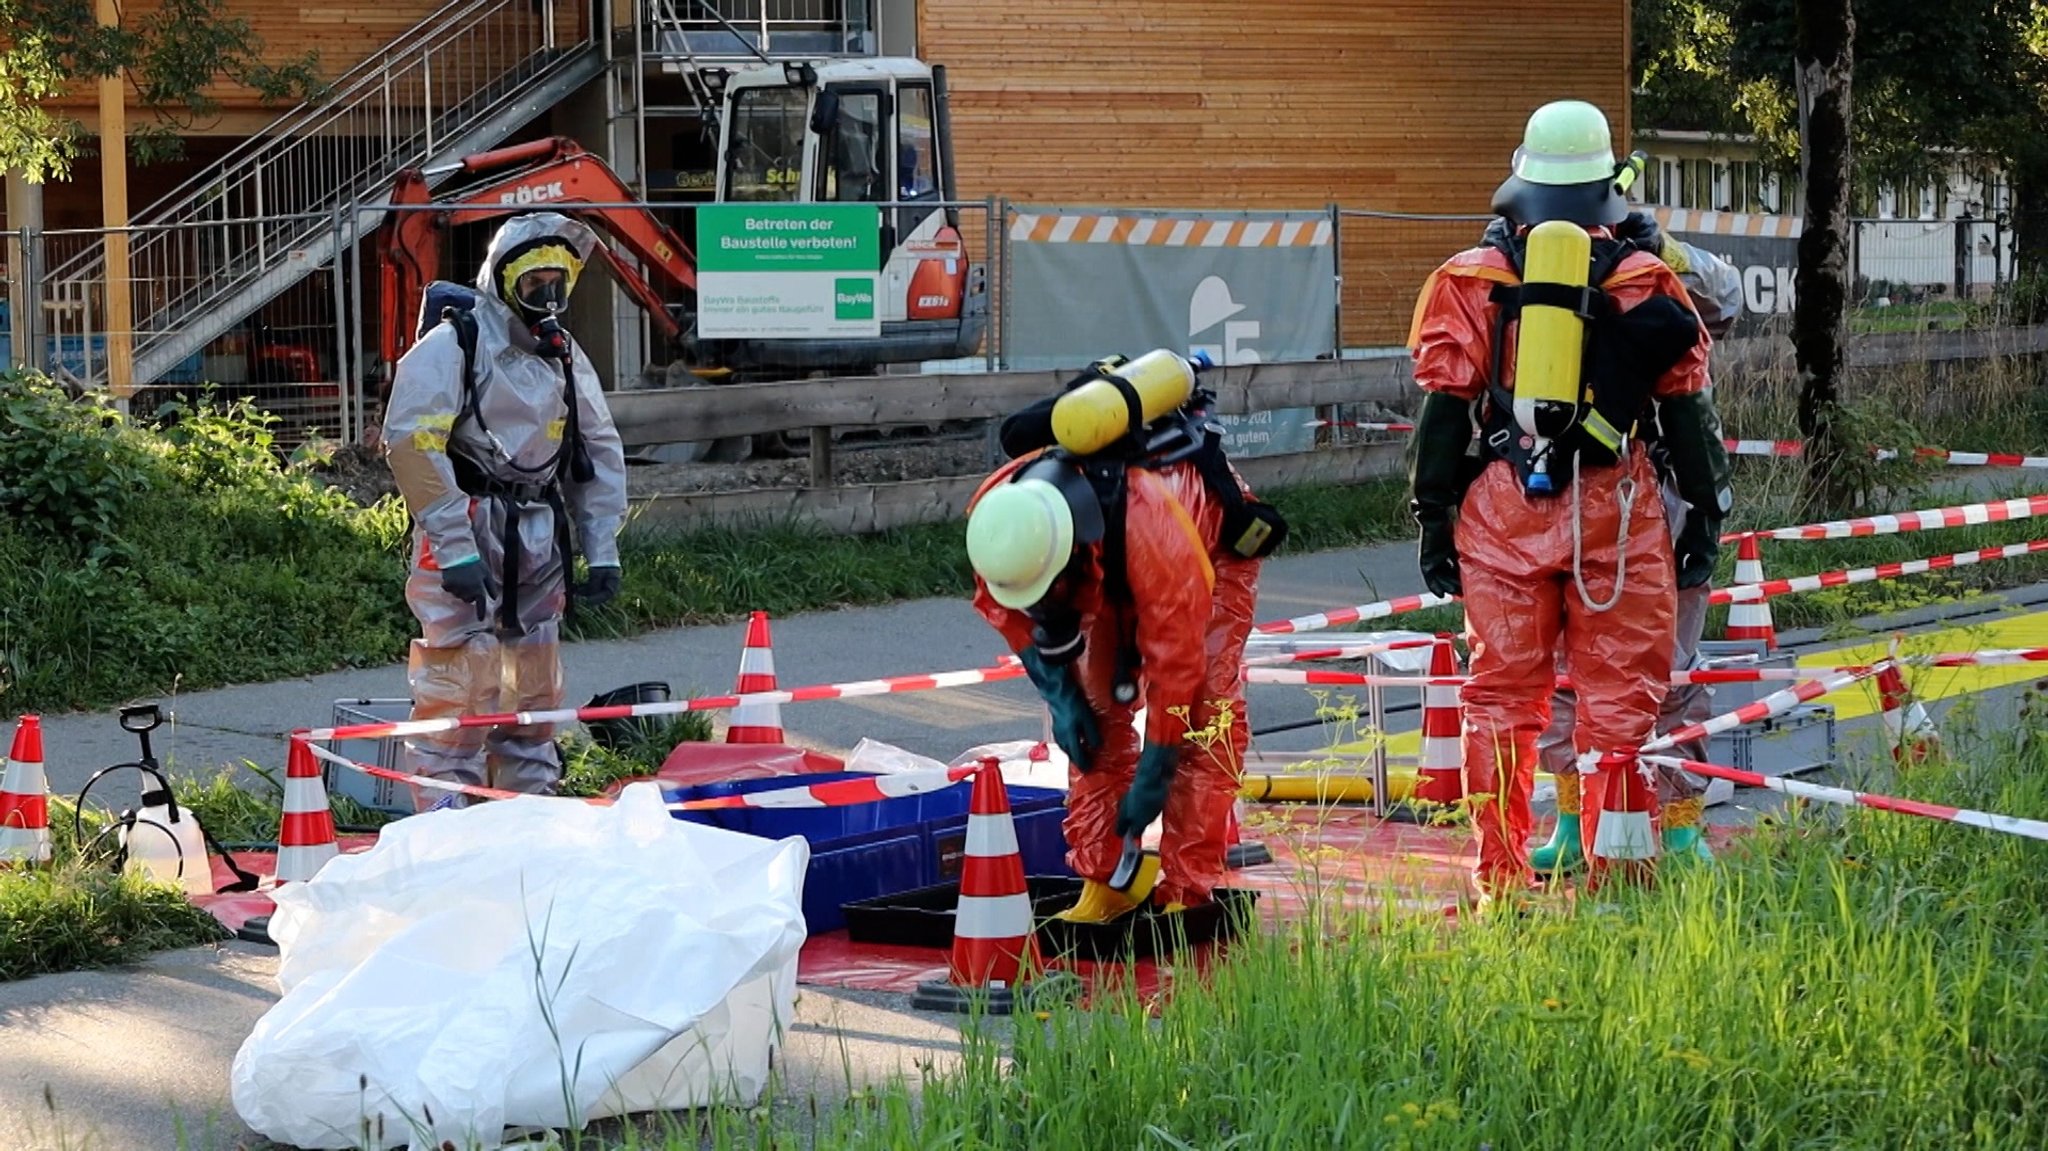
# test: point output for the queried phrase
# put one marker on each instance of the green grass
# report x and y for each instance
(72, 914)
(137, 563)
(69, 918)
(1843, 981)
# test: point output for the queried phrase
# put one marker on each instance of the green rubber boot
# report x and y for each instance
(1683, 839)
(1563, 854)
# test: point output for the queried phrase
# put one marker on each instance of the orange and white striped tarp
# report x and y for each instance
(1170, 230)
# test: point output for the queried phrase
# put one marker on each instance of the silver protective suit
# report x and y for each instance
(510, 659)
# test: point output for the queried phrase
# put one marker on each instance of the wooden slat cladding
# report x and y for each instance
(1402, 107)
(346, 34)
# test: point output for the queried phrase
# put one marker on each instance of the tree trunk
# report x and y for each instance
(1820, 312)
(2029, 222)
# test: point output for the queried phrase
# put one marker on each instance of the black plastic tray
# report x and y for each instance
(924, 918)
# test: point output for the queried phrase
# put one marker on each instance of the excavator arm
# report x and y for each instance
(554, 174)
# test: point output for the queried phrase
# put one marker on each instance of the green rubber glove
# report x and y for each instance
(1073, 721)
(1147, 796)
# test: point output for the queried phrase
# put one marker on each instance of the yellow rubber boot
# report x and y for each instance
(1099, 903)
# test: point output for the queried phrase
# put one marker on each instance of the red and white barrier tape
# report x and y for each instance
(1768, 589)
(1998, 658)
(1316, 678)
(1773, 704)
(897, 684)
(1790, 449)
(1972, 459)
(1342, 616)
(1934, 518)
(838, 792)
(1738, 593)
(796, 793)
(1351, 651)
(2011, 825)
(1780, 448)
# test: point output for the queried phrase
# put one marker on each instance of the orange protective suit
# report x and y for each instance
(1193, 600)
(1515, 558)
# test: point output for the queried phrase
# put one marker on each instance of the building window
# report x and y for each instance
(1696, 184)
(1745, 186)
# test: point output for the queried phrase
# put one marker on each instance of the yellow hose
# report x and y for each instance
(1327, 787)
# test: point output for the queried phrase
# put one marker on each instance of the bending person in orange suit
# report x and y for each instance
(1107, 616)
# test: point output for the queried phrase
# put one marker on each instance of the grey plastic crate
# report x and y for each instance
(1799, 741)
(368, 790)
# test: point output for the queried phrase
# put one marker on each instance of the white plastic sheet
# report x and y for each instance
(528, 962)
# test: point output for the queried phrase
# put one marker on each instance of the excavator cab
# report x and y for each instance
(875, 131)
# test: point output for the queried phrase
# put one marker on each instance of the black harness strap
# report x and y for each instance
(545, 488)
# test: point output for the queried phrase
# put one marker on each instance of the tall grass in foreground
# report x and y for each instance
(1839, 981)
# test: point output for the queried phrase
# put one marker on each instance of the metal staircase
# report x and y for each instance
(209, 254)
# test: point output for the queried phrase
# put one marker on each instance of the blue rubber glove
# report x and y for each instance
(1073, 721)
(1147, 796)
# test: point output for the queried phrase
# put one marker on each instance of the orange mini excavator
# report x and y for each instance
(870, 130)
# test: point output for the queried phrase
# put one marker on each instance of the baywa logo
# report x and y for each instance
(853, 298)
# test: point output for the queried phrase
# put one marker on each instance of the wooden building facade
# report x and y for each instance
(1394, 106)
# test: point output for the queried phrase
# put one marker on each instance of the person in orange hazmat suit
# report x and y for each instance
(1112, 578)
(1536, 495)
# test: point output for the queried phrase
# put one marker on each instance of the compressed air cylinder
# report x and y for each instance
(1552, 339)
(1097, 414)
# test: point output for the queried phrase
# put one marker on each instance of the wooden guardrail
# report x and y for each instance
(683, 414)
(678, 415)
(714, 412)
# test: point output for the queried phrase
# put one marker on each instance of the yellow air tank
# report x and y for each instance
(1552, 338)
(1097, 414)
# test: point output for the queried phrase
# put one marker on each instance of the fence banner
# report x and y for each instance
(1247, 287)
(1250, 287)
(1763, 249)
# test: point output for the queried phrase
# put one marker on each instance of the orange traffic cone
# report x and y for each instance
(1621, 799)
(993, 941)
(25, 798)
(1441, 777)
(305, 838)
(1752, 620)
(756, 722)
(1907, 727)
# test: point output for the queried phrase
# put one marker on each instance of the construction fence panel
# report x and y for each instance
(291, 357)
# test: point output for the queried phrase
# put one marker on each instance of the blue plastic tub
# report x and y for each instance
(894, 845)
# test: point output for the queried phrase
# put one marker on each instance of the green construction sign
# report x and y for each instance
(788, 271)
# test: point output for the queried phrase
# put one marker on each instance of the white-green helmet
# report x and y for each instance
(1019, 538)
(1564, 169)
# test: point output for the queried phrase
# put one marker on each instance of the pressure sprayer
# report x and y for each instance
(163, 841)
